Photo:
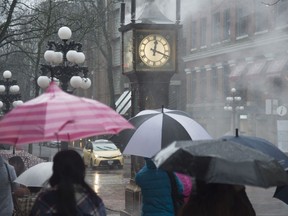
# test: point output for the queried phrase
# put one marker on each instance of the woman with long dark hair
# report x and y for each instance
(69, 194)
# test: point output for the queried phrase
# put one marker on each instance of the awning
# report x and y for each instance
(124, 102)
(238, 70)
(276, 66)
(254, 69)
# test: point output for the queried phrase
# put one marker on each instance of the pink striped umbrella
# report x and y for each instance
(57, 115)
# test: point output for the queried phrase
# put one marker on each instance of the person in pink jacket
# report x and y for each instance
(187, 185)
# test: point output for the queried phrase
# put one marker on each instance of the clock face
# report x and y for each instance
(154, 50)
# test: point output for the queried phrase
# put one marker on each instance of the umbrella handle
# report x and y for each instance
(237, 133)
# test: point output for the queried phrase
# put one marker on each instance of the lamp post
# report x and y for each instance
(64, 60)
(9, 94)
(233, 105)
(64, 63)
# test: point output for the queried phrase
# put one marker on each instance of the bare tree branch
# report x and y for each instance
(271, 4)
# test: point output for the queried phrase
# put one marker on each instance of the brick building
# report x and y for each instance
(238, 44)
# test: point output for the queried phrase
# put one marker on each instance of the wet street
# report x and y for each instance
(110, 186)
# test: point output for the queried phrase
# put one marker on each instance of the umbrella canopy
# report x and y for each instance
(222, 161)
(268, 148)
(57, 115)
(36, 176)
(28, 159)
(262, 145)
(156, 129)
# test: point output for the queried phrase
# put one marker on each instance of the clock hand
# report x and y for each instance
(156, 51)
(155, 45)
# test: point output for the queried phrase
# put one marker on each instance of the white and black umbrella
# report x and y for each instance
(156, 129)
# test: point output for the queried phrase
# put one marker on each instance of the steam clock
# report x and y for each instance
(149, 60)
(149, 57)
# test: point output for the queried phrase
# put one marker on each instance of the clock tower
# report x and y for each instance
(149, 57)
(149, 60)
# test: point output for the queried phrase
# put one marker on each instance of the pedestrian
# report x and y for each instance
(187, 185)
(23, 197)
(7, 176)
(26, 202)
(18, 164)
(217, 200)
(156, 189)
(69, 194)
(20, 192)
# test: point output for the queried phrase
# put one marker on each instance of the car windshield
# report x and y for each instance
(104, 147)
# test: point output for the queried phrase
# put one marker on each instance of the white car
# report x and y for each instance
(102, 153)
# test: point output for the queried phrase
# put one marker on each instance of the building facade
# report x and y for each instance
(239, 44)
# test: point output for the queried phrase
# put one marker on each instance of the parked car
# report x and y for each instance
(54, 144)
(102, 153)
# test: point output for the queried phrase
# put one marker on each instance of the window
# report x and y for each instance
(261, 18)
(226, 87)
(226, 22)
(193, 35)
(203, 84)
(203, 31)
(242, 22)
(281, 13)
(193, 86)
(260, 22)
(214, 83)
(216, 27)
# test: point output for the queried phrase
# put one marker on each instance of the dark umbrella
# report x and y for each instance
(268, 148)
(222, 161)
(156, 129)
(262, 145)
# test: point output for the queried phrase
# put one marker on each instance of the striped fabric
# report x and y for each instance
(56, 115)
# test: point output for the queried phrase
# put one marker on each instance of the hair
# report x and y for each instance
(218, 200)
(209, 199)
(69, 169)
(18, 164)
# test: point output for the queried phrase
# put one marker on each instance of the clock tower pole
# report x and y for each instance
(149, 60)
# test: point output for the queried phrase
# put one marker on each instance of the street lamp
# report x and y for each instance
(233, 105)
(9, 93)
(64, 59)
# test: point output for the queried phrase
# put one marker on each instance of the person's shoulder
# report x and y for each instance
(8, 165)
(47, 193)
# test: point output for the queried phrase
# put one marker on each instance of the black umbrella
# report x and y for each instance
(268, 148)
(156, 129)
(222, 161)
(262, 145)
